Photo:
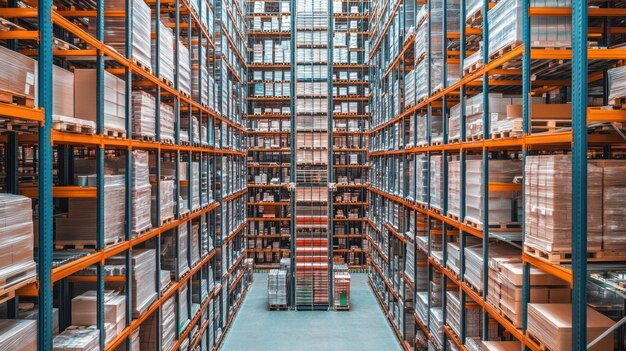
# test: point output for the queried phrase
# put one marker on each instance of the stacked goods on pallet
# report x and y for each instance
(503, 207)
(86, 99)
(63, 104)
(439, 45)
(505, 289)
(551, 325)
(436, 327)
(144, 290)
(422, 176)
(474, 111)
(548, 198)
(184, 129)
(165, 60)
(195, 243)
(183, 308)
(166, 125)
(18, 335)
(140, 192)
(174, 251)
(613, 190)
(617, 88)
(115, 29)
(78, 227)
(544, 117)
(505, 26)
(454, 252)
(277, 287)
(20, 80)
(199, 75)
(474, 273)
(76, 339)
(184, 70)
(143, 116)
(16, 240)
(342, 286)
(195, 185)
(436, 181)
(501, 345)
(473, 316)
(165, 201)
(84, 309)
(454, 188)
(149, 333)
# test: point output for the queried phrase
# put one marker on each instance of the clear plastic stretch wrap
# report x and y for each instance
(167, 122)
(115, 29)
(436, 181)
(140, 191)
(277, 287)
(473, 316)
(63, 90)
(548, 207)
(16, 238)
(168, 324)
(79, 226)
(144, 111)
(502, 204)
(21, 79)
(183, 233)
(505, 25)
(144, 278)
(454, 187)
(183, 308)
(184, 70)
(551, 324)
(196, 69)
(436, 326)
(85, 98)
(195, 244)
(474, 273)
(409, 89)
(613, 205)
(18, 335)
(454, 123)
(195, 185)
(166, 202)
(84, 309)
(422, 176)
(617, 82)
(77, 339)
(166, 46)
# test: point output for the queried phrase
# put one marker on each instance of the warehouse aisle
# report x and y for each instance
(364, 328)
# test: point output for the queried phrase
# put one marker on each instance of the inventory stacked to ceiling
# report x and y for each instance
(126, 137)
(269, 131)
(495, 142)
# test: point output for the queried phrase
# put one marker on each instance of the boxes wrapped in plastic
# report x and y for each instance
(195, 185)
(195, 243)
(551, 325)
(18, 335)
(474, 273)
(144, 290)
(617, 85)
(79, 226)
(502, 204)
(184, 70)
(436, 181)
(548, 204)
(183, 308)
(613, 204)
(140, 191)
(144, 111)
(21, 79)
(454, 187)
(422, 176)
(16, 239)
(85, 98)
(166, 202)
(505, 26)
(84, 309)
(77, 339)
(166, 46)
(166, 126)
(63, 89)
(168, 323)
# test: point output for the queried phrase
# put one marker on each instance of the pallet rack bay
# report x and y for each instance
(151, 148)
(468, 99)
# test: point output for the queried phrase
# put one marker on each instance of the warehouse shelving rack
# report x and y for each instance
(515, 68)
(223, 157)
(269, 237)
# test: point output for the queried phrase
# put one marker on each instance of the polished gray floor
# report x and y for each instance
(363, 328)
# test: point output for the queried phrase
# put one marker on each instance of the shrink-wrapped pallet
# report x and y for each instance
(144, 290)
(617, 85)
(168, 323)
(474, 273)
(409, 89)
(174, 251)
(183, 308)
(165, 57)
(548, 204)
(115, 29)
(78, 227)
(18, 335)
(473, 316)
(195, 185)
(195, 244)
(166, 202)
(421, 178)
(21, 79)
(551, 325)
(436, 326)
(140, 192)
(166, 126)
(436, 181)
(86, 98)
(613, 205)
(144, 111)
(505, 26)
(501, 346)
(84, 309)
(63, 90)
(77, 339)
(503, 207)
(199, 83)
(184, 69)
(454, 187)
(16, 239)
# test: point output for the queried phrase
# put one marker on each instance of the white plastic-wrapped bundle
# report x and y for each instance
(77, 339)
(454, 187)
(421, 178)
(168, 324)
(18, 335)
(617, 82)
(505, 26)
(613, 204)
(166, 201)
(184, 70)
(195, 185)
(436, 326)
(183, 233)
(79, 226)
(16, 238)
(436, 181)
(473, 316)
(454, 123)
(144, 107)
(474, 273)
(277, 287)
(409, 89)
(183, 308)
(167, 122)
(166, 45)
(199, 84)
(195, 243)
(85, 98)
(84, 309)
(140, 192)
(548, 206)
(144, 278)
(502, 204)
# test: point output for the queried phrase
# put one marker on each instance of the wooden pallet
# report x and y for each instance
(19, 126)
(506, 134)
(453, 216)
(8, 97)
(10, 283)
(167, 141)
(475, 19)
(277, 307)
(146, 137)
(114, 133)
(504, 50)
(499, 227)
(80, 245)
(141, 65)
(618, 104)
(142, 231)
(73, 127)
(165, 221)
(473, 68)
(166, 82)
(476, 137)
(342, 308)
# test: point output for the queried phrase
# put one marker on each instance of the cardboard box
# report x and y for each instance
(541, 111)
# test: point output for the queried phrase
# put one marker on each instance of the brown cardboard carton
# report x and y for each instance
(541, 111)
(501, 346)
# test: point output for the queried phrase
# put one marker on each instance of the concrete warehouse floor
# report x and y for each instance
(363, 328)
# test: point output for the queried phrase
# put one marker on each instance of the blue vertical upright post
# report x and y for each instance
(292, 155)
(128, 47)
(444, 162)
(100, 171)
(462, 154)
(44, 65)
(525, 128)
(331, 171)
(579, 175)
(485, 170)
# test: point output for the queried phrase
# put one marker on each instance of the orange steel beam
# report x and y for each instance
(62, 192)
